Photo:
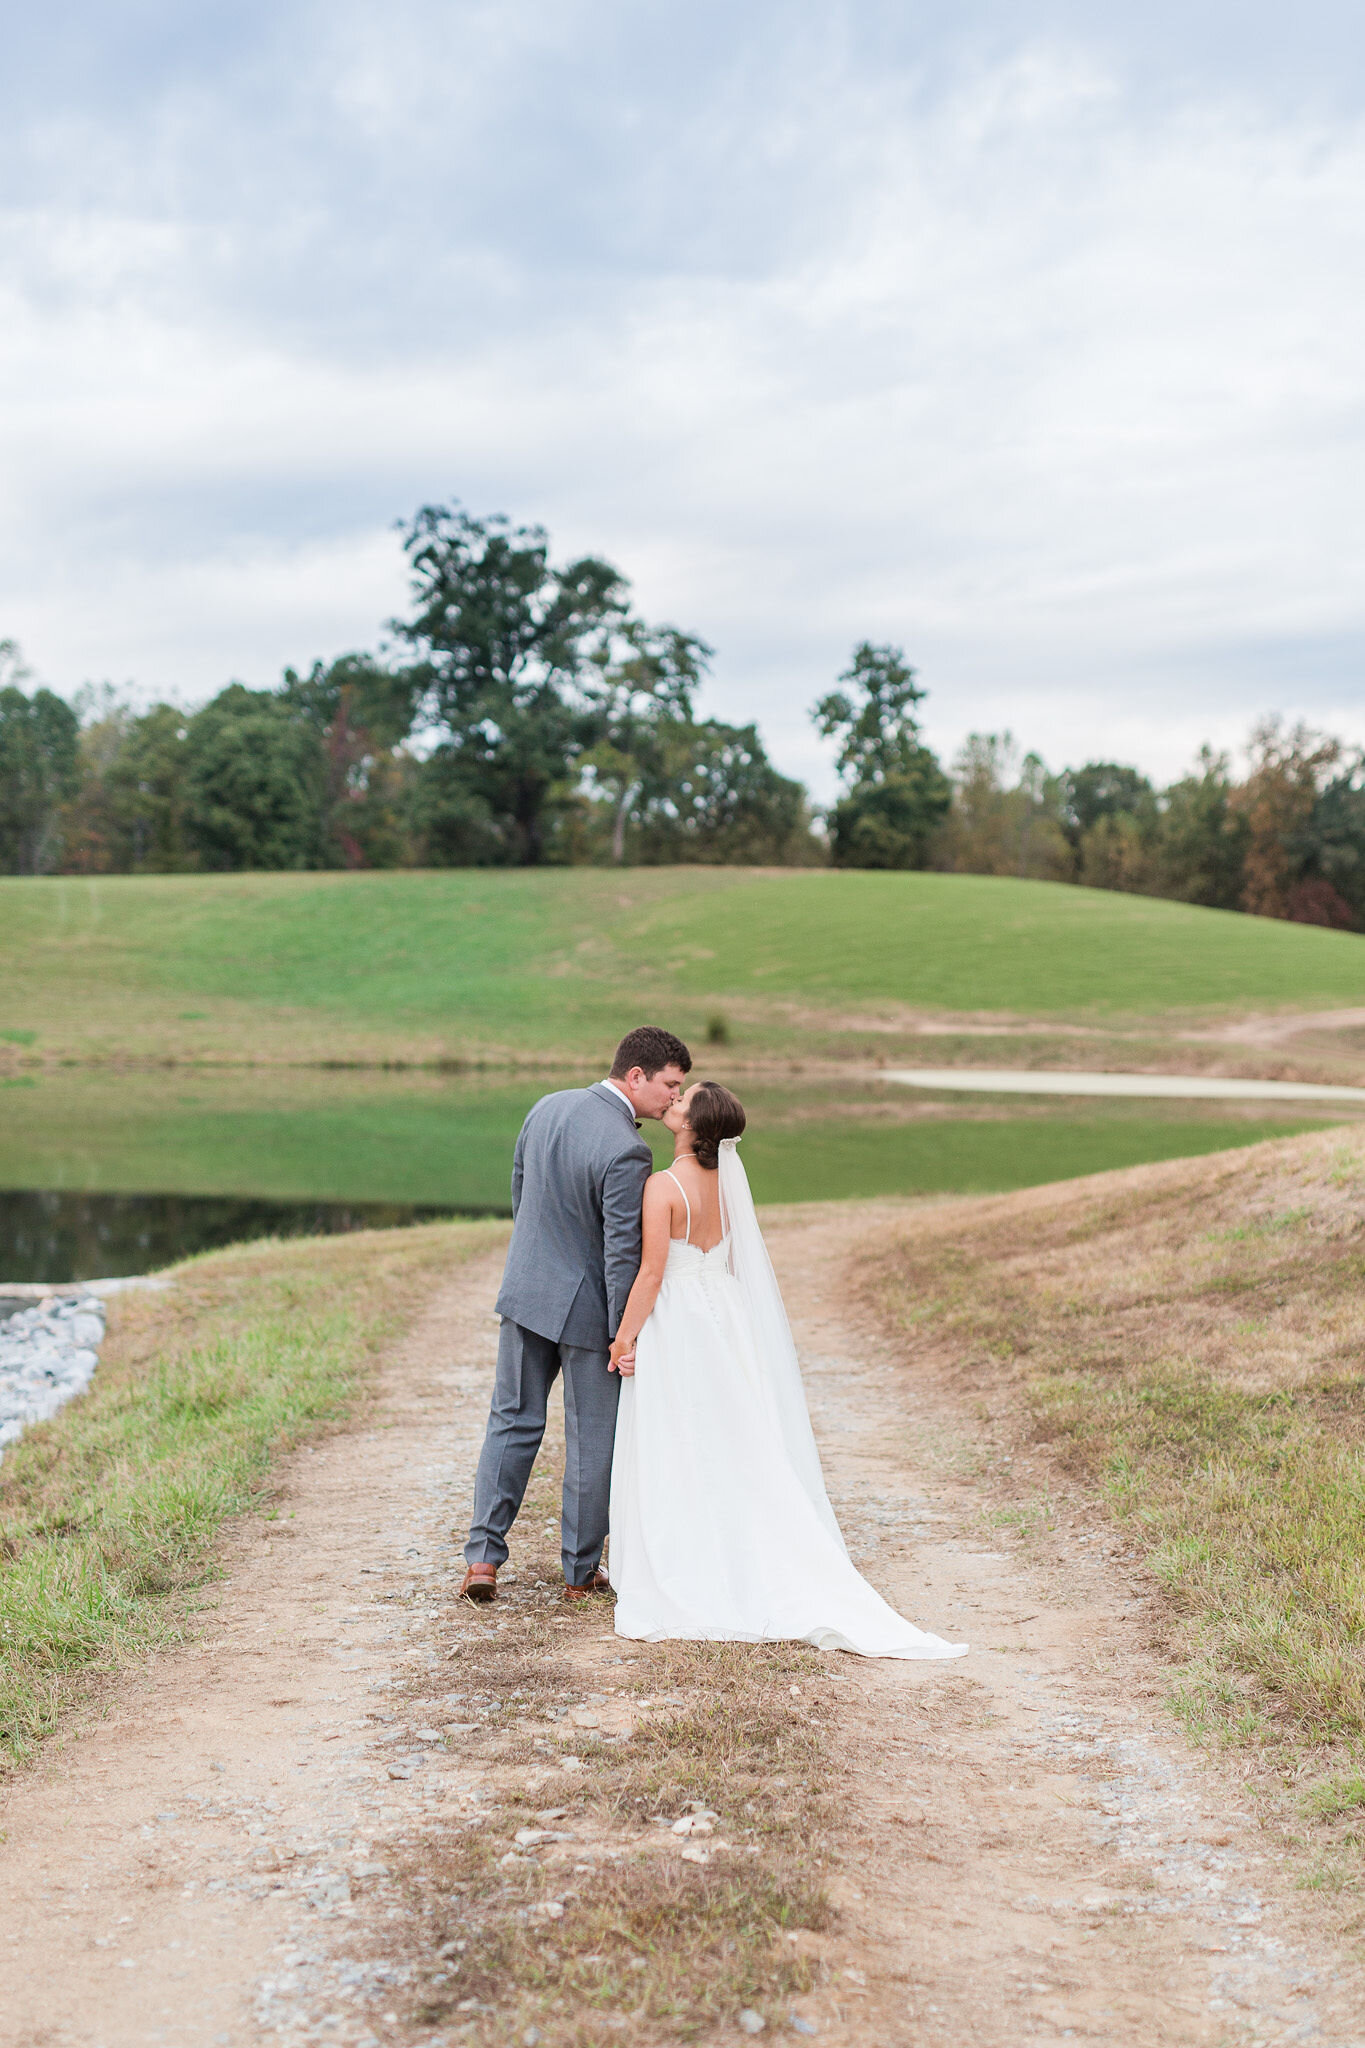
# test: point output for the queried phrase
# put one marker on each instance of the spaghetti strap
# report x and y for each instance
(683, 1192)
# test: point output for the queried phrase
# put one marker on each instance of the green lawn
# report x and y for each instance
(467, 964)
(977, 942)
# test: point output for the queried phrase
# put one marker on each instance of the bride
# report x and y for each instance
(720, 1525)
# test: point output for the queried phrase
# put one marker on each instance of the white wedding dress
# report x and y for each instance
(721, 1529)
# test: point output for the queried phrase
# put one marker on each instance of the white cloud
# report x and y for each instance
(1060, 388)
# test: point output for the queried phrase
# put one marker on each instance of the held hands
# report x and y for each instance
(622, 1358)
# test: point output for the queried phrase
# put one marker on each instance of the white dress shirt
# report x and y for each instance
(609, 1083)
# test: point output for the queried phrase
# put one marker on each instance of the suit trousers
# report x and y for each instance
(528, 1365)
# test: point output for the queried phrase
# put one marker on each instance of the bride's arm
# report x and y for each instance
(656, 1230)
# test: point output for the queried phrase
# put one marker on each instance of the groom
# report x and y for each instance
(578, 1181)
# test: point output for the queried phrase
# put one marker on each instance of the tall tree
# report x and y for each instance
(39, 768)
(895, 793)
(1277, 800)
(14, 671)
(255, 783)
(709, 793)
(128, 814)
(448, 823)
(148, 783)
(1110, 816)
(643, 682)
(1006, 814)
(1103, 789)
(1120, 851)
(1201, 845)
(92, 843)
(362, 710)
(1329, 854)
(504, 640)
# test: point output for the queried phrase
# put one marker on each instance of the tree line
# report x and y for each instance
(524, 713)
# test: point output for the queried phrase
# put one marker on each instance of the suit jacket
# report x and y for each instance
(578, 1183)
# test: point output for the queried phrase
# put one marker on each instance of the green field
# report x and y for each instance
(476, 964)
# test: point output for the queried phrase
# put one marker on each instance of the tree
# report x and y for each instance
(1103, 789)
(358, 691)
(148, 783)
(255, 783)
(895, 793)
(891, 823)
(1119, 852)
(1329, 854)
(91, 840)
(449, 823)
(1006, 814)
(14, 671)
(128, 815)
(361, 710)
(1277, 800)
(876, 726)
(39, 768)
(709, 793)
(643, 688)
(1201, 845)
(504, 641)
(1109, 814)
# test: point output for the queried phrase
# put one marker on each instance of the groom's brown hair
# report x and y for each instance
(649, 1048)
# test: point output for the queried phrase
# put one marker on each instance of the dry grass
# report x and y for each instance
(109, 1512)
(613, 1929)
(1186, 1343)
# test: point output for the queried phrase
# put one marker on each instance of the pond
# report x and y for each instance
(50, 1235)
(106, 1172)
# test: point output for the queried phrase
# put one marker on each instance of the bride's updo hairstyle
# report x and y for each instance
(713, 1114)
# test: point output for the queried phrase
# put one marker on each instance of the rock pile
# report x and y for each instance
(47, 1354)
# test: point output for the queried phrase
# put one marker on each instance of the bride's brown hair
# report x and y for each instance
(712, 1115)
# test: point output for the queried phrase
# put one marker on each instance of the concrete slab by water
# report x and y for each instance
(1184, 1087)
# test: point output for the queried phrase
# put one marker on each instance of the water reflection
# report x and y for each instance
(152, 1167)
(53, 1236)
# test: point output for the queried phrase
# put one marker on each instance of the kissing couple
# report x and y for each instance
(685, 1421)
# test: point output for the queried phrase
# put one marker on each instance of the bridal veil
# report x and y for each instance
(775, 1346)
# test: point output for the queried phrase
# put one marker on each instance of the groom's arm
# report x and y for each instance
(623, 1194)
(518, 1170)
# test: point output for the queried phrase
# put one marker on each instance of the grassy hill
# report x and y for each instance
(473, 964)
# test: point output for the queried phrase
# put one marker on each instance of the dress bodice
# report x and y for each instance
(686, 1258)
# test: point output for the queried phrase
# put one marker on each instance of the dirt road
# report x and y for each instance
(1028, 1851)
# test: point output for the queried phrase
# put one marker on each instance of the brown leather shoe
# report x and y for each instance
(598, 1583)
(480, 1583)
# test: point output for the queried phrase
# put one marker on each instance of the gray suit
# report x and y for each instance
(578, 1181)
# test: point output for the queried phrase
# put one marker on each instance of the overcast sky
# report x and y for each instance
(1026, 336)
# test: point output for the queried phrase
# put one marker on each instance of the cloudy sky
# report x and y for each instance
(1028, 336)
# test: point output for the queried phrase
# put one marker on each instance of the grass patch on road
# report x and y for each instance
(601, 1922)
(671, 1946)
(110, 1511)
(1189, 1345)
